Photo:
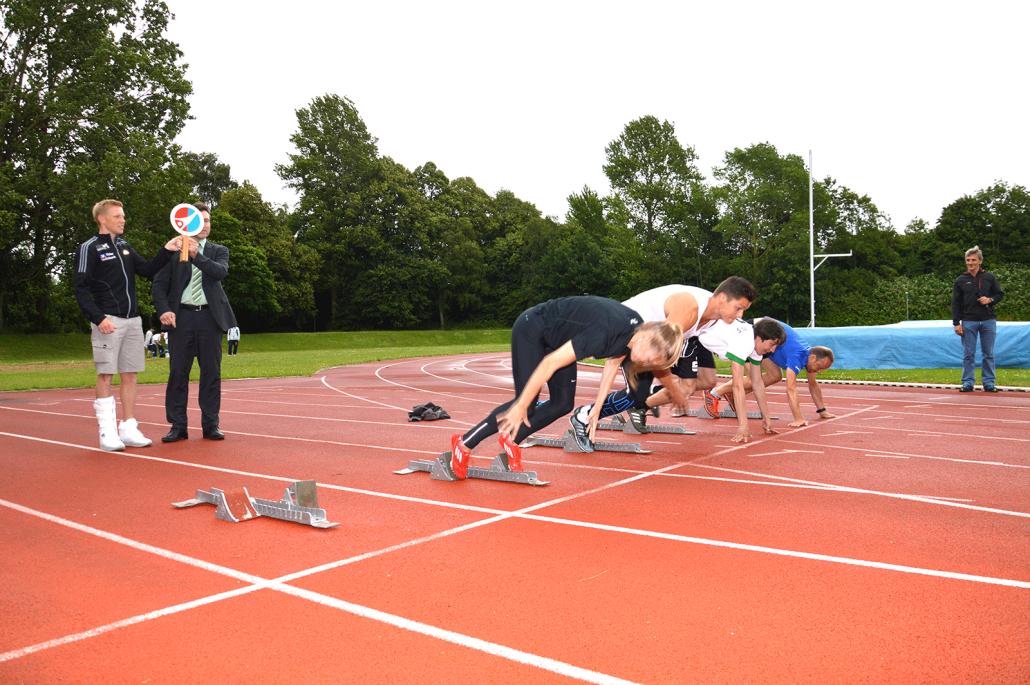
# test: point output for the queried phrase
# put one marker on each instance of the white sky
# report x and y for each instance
(912, 103)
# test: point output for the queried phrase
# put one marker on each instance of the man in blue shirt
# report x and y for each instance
(790, 358)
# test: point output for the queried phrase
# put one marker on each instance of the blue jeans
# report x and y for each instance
(987, 330)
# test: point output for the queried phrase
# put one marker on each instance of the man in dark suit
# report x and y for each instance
(189, 298)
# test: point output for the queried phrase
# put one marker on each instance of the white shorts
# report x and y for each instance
(120, 351)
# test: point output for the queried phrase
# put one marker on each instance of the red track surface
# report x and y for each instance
(890, 544)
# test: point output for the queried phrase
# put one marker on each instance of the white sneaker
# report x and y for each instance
(128, 431)
(109, 440)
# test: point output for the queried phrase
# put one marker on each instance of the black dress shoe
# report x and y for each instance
(214, 434)
(175, 435)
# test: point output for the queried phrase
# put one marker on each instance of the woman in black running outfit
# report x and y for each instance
(546, 341)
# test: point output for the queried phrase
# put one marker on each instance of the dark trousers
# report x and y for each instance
(233, 346)
(196, 336)
(527, 350)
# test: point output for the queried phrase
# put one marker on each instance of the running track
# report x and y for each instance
(889, 544)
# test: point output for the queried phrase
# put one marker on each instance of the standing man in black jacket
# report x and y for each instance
(105, 287)
(972, 313)
(189, 298)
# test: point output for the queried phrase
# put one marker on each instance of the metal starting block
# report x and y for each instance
(568, 443)
(618, 423)
(298, 505)
(724, 414)
(440, 469)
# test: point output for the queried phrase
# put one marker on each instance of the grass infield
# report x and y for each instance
(30, 362)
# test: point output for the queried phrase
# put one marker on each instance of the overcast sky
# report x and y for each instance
(912, 103)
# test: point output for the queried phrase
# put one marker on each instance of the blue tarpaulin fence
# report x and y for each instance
(916, 345)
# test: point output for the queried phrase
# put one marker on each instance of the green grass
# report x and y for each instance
(1016, 377)
(30, 362)
(63, 361)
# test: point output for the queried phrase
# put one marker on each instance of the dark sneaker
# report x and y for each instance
(638, 417)
(966, 388)
(711, 404)
(656, 412)
(990, 388)
(460, 457)
(512, 452)
(581, 434)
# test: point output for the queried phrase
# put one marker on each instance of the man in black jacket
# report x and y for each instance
(105, 287)
(190, 300)
(972, 313)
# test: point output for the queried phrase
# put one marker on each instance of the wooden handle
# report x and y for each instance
(184, 254)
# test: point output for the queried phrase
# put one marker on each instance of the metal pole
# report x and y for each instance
(811, 245)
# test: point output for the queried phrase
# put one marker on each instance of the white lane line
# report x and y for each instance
(125, 623)
(886, 456)
(506, 392)
(978, 462)
(359, 397)
(258, 583)
(251, 474)
(947, 502)
(900, 568)
(441, 503)
(786, 451)
(435, 393)
(951, 417)
(978, 436)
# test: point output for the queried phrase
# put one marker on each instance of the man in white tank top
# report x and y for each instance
(694, 310)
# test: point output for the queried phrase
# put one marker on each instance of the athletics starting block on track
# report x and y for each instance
(440, 469)
(568, 443)
(724, 414)
(298, 505)
(618, 423)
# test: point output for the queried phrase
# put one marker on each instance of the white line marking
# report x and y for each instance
(978, 436)
(258, 583)
(887, 456)
(1022, 584)
(978, 462)
(423, 390)
(881, 493)
(785, 451)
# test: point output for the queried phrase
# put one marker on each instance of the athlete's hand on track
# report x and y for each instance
(741, 436)
(798, 424)
(768, 427)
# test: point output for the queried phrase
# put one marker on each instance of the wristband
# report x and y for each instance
(820, 410)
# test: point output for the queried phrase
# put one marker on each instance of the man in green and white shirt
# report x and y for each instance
(743, 345)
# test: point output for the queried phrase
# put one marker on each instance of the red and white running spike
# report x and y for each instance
(460, 457)
(513, 451)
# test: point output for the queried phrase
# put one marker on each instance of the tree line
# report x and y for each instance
(93, 95)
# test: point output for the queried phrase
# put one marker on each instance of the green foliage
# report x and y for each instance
(93, 95)
(208, 177)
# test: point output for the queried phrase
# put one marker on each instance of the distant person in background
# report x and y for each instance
(233, 338)
(148, 342)
(972, 313)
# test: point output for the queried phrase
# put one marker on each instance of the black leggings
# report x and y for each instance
(527, 350)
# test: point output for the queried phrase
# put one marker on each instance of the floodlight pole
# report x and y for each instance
(811, 245)
(812, 266)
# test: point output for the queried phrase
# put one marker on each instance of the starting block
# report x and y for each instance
(298, 505)
(725, 413)
(568, 443)
(440, 469)
(618, 423)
